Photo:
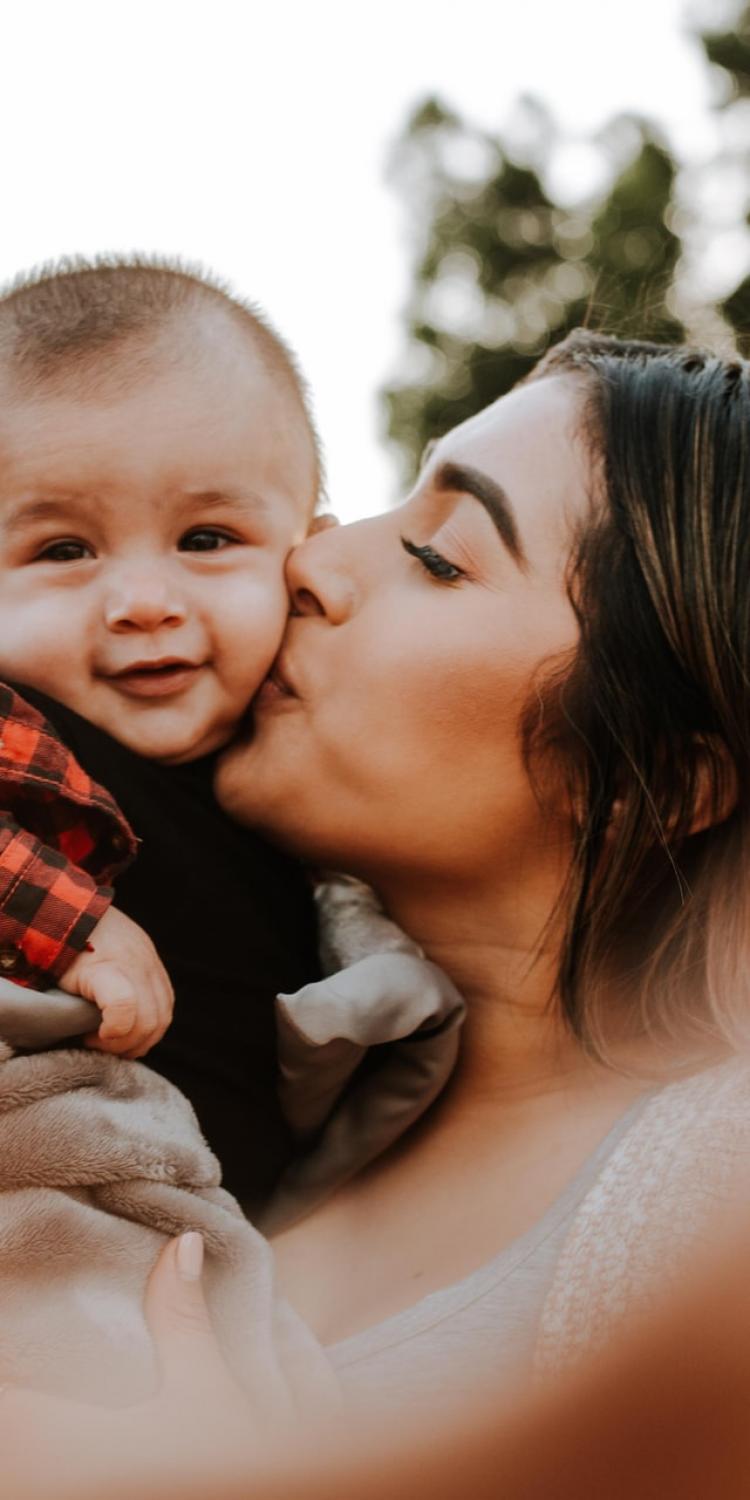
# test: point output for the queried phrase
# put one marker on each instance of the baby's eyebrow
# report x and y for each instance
(74, 505)
(29, 512)
(244, 499)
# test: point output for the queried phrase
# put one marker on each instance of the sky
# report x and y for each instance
(253, 138)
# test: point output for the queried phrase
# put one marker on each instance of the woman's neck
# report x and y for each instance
(502, 957)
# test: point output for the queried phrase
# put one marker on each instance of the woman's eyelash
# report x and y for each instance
(433, 561)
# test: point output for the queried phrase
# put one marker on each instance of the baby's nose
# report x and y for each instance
(143, 600)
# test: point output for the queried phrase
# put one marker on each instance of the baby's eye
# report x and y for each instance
(206, 539)
(434, 562)
(67, 549)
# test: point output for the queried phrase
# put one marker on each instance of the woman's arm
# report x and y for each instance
(663, 1415)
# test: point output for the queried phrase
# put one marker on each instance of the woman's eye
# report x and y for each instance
(206, 539)
(66, 550)
(433, 561)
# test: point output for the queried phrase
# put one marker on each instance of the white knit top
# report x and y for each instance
(664, 1189)
(615, 1236)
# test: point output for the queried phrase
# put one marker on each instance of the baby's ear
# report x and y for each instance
(322, 522)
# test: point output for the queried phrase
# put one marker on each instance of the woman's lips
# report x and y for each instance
(275, 689)
(155, 679)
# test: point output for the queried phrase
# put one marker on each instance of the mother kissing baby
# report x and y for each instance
(519, 707)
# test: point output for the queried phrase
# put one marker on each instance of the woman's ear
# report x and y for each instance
(715, 792)
(716, 785)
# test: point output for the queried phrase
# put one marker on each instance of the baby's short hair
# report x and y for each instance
(66, 318)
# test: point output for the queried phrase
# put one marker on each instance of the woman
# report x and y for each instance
(519, 707)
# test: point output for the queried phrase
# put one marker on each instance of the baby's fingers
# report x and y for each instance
(164, 1000)
(130, 1047)
(116, 998)
(155, 1014)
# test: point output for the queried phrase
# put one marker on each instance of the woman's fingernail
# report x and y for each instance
(190, 1255)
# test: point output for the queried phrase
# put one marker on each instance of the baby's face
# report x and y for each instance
(144, 528)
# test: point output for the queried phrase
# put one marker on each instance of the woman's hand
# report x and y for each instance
(176, 1312)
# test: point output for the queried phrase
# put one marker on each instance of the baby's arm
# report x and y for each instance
(48, 906)
(122, 973)
(62, 838)
(57, 926)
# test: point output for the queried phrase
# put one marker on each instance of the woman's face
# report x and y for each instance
(388, 737)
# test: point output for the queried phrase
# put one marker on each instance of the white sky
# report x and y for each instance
(253, 137)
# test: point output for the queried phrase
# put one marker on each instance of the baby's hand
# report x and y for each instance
(122, 973)
(323, 521)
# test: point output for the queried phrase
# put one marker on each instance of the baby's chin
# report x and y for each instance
(172, 747)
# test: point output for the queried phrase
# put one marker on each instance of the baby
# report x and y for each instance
(157, 463)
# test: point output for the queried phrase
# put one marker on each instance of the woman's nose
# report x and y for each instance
(143, 599)
(318, 579)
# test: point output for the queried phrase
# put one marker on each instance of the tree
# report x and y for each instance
(504, 269)
(729, 53)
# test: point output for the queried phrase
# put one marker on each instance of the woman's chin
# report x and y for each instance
(233, 778)
(248, 781)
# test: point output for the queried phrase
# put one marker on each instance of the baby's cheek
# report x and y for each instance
(36, 640)
(253, 625)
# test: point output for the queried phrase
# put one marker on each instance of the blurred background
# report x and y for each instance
(423, 195)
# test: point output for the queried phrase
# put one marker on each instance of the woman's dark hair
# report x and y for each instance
(651, 719)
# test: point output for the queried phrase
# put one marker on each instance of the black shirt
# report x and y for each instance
(233, 921)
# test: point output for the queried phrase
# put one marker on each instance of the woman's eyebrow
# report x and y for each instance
(465, 480)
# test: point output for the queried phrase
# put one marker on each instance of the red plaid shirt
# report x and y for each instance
(62, 839)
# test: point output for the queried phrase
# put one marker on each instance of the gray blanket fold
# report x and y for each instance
(36, 1020)
(395, 1011)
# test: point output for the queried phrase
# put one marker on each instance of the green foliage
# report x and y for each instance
(730, 50)
(504, 269)
(736, 310)
(634, 252)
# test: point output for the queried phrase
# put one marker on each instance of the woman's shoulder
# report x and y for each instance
(682, 1162)
(678, 1121)
(716, 1098)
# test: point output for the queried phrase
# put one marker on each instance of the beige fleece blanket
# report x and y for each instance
(100, 1160)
